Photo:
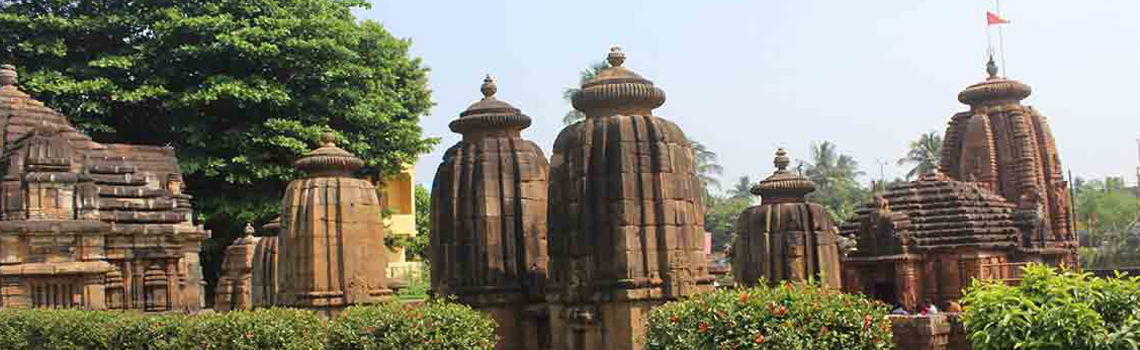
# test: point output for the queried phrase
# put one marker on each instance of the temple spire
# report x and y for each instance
(991, 68)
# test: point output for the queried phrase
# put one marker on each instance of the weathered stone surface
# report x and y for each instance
(331, 236)
(626, 218)
(489, 232)
(85, 224)
(785, 237)
(235, 285)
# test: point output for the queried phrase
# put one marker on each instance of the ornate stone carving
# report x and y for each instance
(86, 224)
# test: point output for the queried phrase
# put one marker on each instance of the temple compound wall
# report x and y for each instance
(90, 225)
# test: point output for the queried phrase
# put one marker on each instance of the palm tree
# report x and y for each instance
(834, 176)
(574, 115)
(742, 188)
(828, 168)
(705, 163)
(925, 154)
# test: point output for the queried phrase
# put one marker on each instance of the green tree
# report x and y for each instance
(240, 89)
(834, 175)
(742, 188)
(925, 153)
(707, 168)
(418, 249)
(1108, 212)
(720, 216)
(574, 115)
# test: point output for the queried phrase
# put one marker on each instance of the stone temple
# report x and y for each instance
(489, 237)
(997, 202)
(785, 237)
(90, 225)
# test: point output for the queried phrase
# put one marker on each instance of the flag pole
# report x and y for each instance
(1001, 39)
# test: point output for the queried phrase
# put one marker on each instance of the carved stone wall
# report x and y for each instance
(488, 242)
(264, 279)
(626, 218)
(330, 236)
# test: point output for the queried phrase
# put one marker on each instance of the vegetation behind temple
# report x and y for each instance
(435, 325)
(240, 89)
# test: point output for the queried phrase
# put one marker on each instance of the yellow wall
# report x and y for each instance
(399, 197)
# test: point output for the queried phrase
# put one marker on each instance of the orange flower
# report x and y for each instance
(743, 297)
(674, 318)
(783, 310)
(867, 321)
(760, 339)
(823, 331)
(702, 327)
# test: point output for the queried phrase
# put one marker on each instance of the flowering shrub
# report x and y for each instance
(1053, 310)
(436, 325)
(792, 316)
(433, 325)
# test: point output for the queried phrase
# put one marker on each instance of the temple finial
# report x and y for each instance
(328, 139)
(992, 68)
(781, 160)
(616, 57)
(7, 75)
(488, 89)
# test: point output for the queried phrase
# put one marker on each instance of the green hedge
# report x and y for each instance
(799, 316)
(434, 325)
(1054, 310)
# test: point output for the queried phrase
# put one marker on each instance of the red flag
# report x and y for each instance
(992, 19)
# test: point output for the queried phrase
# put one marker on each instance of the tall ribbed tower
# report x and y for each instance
(331, 239)
(626, 218)
(1007, 147)
(785, 237)
(488, 242)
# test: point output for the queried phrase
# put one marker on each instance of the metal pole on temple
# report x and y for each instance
(1001, 40)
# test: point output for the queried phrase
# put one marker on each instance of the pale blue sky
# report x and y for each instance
(746, 77)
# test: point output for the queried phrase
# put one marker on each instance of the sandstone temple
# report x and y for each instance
(997, 202)
(90, 225)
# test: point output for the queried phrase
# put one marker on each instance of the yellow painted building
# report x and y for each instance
(398, 195)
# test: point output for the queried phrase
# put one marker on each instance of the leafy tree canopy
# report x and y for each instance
(240, 88)
(925, 153)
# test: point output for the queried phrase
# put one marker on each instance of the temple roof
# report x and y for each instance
(489, 113)
(783, 185)
(940, 212)
(994, 89)
(329, 160)
(617, 87)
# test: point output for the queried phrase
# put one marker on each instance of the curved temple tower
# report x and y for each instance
(1007, 148)
(785, 237)
(331, 239)
(626, 223)
(488, 242)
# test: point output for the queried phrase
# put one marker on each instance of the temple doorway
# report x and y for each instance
(885, 292)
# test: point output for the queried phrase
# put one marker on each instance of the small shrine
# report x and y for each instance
(785, 237)
(626, 217)
(235, 284)
(330, 249)
(489, 207)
